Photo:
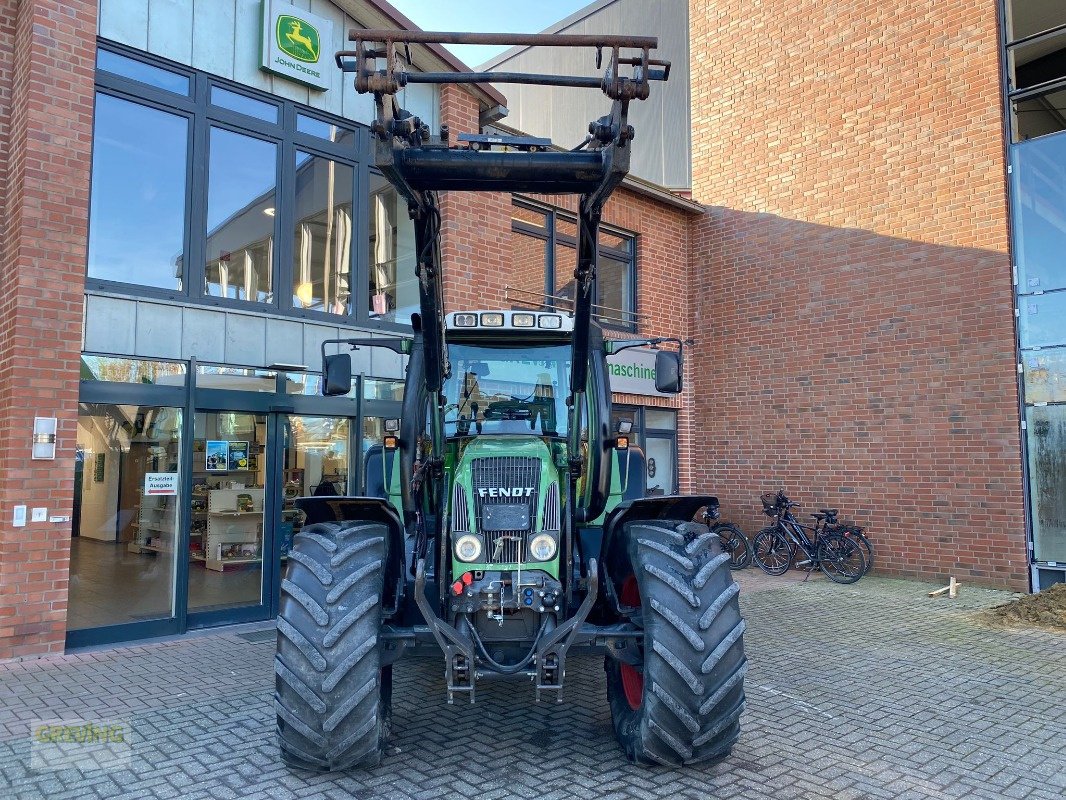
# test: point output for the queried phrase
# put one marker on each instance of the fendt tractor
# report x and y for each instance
(506, 526)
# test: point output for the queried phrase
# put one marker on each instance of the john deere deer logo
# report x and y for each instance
(298, 39)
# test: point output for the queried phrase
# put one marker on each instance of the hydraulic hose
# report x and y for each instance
(507, 669)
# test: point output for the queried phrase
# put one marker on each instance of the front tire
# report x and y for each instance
(682, 705)
(772, 551)
(333, 698)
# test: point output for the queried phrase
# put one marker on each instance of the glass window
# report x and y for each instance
(325, 130)
(303, 383)
(127, 521)
(1040, 115)
(137, 211)
(660, 419)
(236, 379)
(497, 390)
(614, 291)
(529, 262)
(241, 203)
(1039, 192)
(533, 263)
(130, 370)
(322, 247)
(1046, 431)
(139, 71)
(243, 104)
(226, 515)
(382, 389)
(1045, 375)
(1042, 320)
(1027, 17)
(393, 285)
(530, 217)
(661, 455)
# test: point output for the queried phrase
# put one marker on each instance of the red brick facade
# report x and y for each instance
(852, 279)
(46, 95)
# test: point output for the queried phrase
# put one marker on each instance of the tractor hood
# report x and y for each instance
(506, 492)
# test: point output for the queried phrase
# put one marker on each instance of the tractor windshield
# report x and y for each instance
(507, 389)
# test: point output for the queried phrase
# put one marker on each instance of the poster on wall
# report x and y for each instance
(238, 455)
(217, 456)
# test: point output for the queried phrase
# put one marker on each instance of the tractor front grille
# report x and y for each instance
(505, 480)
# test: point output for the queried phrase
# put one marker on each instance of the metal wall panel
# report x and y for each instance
(170, 24)
(125, 21)
(222, 37)
(662, 152)
(201, 335)
(284, 342)
(245, 339)
(159, 329)
(110, 325)
(209, 17)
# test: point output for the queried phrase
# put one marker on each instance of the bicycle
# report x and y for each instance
(774, 548)
(733, 539)
(849, 529)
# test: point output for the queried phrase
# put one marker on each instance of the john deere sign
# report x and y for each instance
(293, 42)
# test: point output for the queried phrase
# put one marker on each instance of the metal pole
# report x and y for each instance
(510, 39)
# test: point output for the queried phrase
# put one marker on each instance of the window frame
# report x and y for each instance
(1012, 93)
(201, 116)
(555, 239)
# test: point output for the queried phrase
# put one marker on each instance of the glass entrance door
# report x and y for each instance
(227, 532)
(314, 462)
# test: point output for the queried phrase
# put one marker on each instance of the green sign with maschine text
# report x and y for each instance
(292, 44)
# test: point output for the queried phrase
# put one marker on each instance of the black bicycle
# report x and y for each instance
(849, 529)
(774, 548)
(733, 539)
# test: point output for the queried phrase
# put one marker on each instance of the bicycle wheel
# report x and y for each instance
(854, 532)
(840, 558)
(736, 544)
(856, 535)
(771, 551)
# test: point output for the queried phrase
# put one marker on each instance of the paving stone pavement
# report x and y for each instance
(865, 691)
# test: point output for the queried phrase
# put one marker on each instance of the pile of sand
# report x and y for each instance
(1046, 609)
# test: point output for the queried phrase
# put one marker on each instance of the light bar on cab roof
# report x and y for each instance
(510, 320)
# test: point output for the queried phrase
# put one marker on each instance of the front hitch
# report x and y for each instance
(552, 649)
(458, 649)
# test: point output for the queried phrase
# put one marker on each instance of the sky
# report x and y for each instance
(486, 16)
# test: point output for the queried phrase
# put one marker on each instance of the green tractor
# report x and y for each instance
(509, 528)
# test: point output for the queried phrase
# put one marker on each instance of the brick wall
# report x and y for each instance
(852, 279)
(45, 144)
(482, 259)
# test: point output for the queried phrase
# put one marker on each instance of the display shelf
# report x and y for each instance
(230, 530)
(156, 525)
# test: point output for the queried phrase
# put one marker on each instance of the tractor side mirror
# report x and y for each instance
(337, 374)
(667, 372)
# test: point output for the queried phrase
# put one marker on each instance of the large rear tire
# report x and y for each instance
(683, 704)
(333, 698)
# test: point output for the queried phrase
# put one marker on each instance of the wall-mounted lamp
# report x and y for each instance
(44, 437)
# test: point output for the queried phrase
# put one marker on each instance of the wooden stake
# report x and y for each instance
(951, 590)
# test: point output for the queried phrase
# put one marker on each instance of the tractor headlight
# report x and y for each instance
(542, 548)
(467, 548)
